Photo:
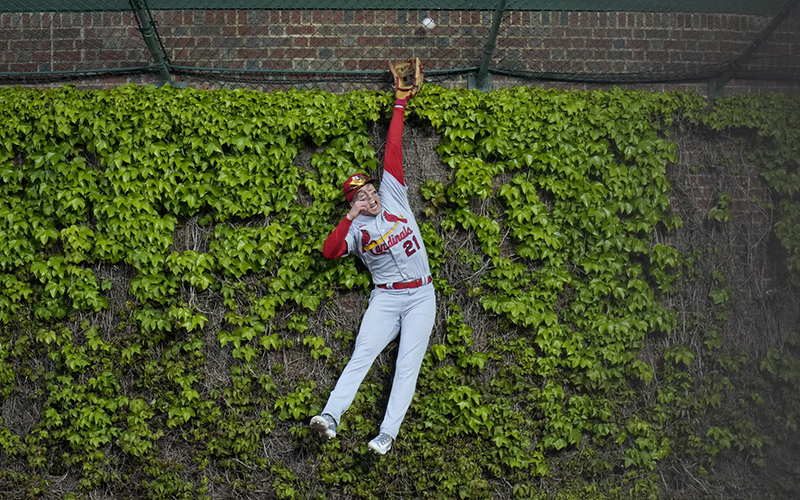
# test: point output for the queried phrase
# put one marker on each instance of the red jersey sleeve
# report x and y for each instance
(393, 160)
(336, 243)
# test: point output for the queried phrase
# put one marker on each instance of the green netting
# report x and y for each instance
(341, 45)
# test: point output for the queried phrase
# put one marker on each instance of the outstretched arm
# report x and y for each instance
(393, 160)
(407, 83)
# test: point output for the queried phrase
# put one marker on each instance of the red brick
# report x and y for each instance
(28, 46)
(180, 55)
(515, 42)
(46, 20)
(691, 35)
(289, 16)
(321, 16)
(578, 18)
(66, 33)
(536, 54)
(110, 55)
(65, 55)
(324, 42)
(22, 68)
(580, 32)
(373, 41)
(580, 43)
(63, 66)
(788, 38)
(111, 18)
(365, 16)
(612, 33)
(556, 42)
(274, 63)
(654, 37)
(656, 55)
(302, 53)
(692, 57)
(249, 30)
(691, 46)
(251, 53)
(183, 42)
(654, 34)
(300, 30)
(637, 44)
(602, 43)
(521, 18)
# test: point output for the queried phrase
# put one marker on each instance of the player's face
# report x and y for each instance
(369, 195)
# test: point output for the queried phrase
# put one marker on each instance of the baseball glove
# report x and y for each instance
(407, 77)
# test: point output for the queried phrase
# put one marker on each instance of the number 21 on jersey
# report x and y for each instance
(411, 246)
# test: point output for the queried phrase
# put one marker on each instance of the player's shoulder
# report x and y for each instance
(390, 186)
(390, 179)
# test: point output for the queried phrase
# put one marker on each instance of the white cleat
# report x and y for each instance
(324, 425)
(381, 443)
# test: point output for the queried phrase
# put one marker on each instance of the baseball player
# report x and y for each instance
(381, 230)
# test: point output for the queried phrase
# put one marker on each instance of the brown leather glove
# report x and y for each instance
(407, 78)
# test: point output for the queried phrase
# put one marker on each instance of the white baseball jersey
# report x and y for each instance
(390, 244)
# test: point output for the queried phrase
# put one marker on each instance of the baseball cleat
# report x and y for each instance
(381, 443)
(324, 425)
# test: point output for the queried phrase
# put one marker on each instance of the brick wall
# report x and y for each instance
(543, 43)
(67, 42)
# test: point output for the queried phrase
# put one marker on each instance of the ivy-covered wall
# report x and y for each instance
(169, 326)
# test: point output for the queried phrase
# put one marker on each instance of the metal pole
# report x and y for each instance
(716, 85)
(483, 81)
(149, 34)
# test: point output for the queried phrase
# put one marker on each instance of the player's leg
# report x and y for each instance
(379, 326)
(417, 323)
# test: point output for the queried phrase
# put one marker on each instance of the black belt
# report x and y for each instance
(407, 284)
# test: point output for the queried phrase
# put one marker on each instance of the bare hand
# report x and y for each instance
(357, 208)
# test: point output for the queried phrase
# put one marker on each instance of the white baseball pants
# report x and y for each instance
(411, 311)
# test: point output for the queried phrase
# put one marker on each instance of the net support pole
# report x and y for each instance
(150, 39)
(717, 84)
(483, 81)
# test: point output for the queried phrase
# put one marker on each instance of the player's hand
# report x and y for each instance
(408, 78)
(357, 208)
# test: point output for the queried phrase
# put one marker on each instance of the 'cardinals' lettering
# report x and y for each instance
(391, 241)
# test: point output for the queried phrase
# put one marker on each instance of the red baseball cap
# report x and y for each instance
(354, 183)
